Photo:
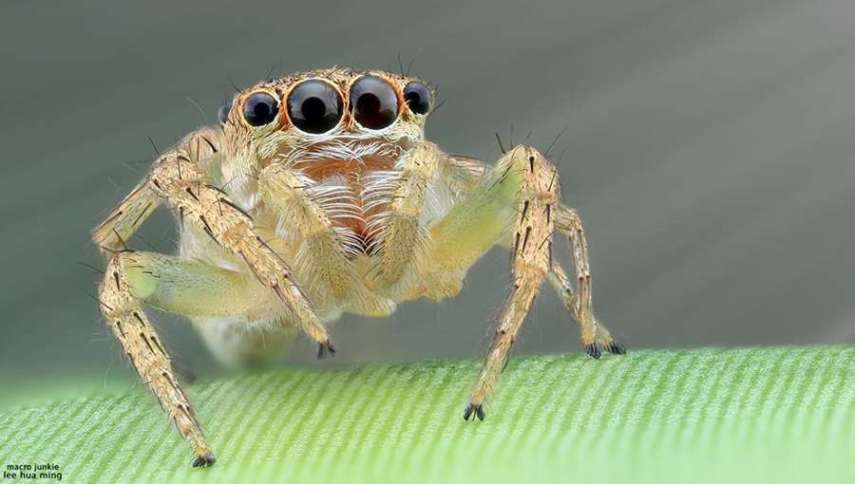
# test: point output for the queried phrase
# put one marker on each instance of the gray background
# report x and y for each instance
(708, 146)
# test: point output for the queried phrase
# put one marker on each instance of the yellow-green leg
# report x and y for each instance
(240, 321)
(185, 287)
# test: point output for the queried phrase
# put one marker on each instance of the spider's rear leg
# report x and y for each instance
(536, 202)
(594, 335)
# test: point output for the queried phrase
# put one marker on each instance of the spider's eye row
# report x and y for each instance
(223, 112)
(260, 109)
(373, 102)
(314, 106)
(418, 97)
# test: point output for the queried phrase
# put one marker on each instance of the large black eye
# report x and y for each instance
(260, 109)
(314, 107)
(373, 102)
(417, 96)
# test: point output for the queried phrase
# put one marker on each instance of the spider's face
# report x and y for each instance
(328, 121)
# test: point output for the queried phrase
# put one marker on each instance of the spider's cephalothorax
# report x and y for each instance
(318, 195)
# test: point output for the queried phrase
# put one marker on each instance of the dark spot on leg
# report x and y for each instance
(147, 344)
(207, 228)
(471, 409)
(111, 218)
(206, 460)
(139, 318)
(325, 348)
(154, 340)
(234, 206)
(593, 351)
(213, 148)
(525, 239)
(616, 348)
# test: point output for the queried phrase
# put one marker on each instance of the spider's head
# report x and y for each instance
(328, 121)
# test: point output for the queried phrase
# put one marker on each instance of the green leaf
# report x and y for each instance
(746, 415)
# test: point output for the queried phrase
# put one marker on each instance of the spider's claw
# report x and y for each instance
(324, 348)
(206, 460)
(478, 410)
(616, 348)
(593, 351)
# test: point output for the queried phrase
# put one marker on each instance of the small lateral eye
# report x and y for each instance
(314, 106)
(260, 109)
(418, 97)
(223, 113)
(373, 102)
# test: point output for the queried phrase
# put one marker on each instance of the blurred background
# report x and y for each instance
(707, 143)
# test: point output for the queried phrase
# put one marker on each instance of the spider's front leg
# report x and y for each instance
(203, 146)
(131, 326)
(177, 178)
(182, 184)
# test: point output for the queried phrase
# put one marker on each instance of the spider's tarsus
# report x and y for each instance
(206, 460)
(593, 351)
(324, 348)
(471, 409)
(616, 348)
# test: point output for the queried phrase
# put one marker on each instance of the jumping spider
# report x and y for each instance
(318, 195)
